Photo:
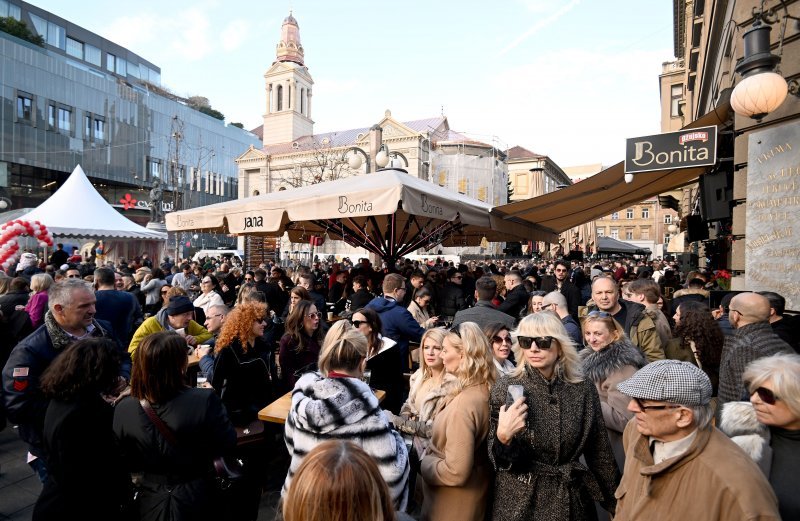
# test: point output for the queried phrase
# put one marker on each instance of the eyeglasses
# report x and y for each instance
(645, 408)
(599, 314)
(560, 270)
(766, 395)
(731, 310)
(542, 342)
(314, 315)
(501, 339)
(218, 315)
(545, 306)
(357, 323)
(455, 330)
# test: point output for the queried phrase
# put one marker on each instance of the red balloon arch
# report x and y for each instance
(9, 244)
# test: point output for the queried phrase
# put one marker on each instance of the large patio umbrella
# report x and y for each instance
(389, 213)
(611, 245)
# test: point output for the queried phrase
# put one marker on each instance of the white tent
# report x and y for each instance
(78, 210)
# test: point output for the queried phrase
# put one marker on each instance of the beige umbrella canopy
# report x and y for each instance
(389, 213)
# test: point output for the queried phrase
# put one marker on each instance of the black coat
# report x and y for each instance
(387, 375)
(358, 300)
(242, 380)
(85, 476)
(570, 292)
(451, 300)
(10, 301)
(515, 303)
(177, 480)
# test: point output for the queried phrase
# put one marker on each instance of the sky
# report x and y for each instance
(571, 79)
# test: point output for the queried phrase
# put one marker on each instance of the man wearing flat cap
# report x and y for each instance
(178, 315)
(677, 464)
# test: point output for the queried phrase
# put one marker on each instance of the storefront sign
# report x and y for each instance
(772, 254)
(684, 149)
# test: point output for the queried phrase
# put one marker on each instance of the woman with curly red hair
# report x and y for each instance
(241, 369)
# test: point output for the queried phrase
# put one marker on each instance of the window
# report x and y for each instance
(99, 129)
(111, 62)
(87, 127)
(676, 94)
(667, 237)
(74, 48)
(615, 233)
(521, 184)
(133, 69)
(92, 55)
(51, 117)
(64, 119)
(56, 36)
(615, 216)
(601, 232)
(645, 213)
(644, 234)
(280, 98)
(629, 213)
(628, 235)
(39, 24)
(121, 67)
(10, 10)
(25, 108)
(303, 101)
(153, 168)
(668, 219)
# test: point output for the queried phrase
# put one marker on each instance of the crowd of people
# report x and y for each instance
(510, 390)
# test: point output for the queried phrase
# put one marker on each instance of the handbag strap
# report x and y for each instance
(165, 431)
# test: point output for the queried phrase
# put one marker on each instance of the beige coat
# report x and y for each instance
(456, 469)
(714, 480)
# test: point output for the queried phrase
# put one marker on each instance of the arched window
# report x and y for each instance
(280, 98)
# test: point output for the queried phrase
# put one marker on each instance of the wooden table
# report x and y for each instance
(194, 360)
(277, 411)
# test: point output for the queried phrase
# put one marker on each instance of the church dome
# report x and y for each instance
(289, 48)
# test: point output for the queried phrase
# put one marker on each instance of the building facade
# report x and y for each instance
(81, 99)
(644, 224)
(291, 154)
(758, 241)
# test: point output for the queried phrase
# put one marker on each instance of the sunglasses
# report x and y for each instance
(599, 314)
(542, 342)
(766, 395)
(501, 339)
(645, 408)
(357, 323)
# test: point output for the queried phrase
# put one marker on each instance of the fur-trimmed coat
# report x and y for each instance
(738, 420)
(345, 409)
(608, 367)
(419, 422)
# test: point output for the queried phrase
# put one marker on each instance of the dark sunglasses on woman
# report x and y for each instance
(542, 342)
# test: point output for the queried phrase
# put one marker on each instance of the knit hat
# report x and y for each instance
(178, 305)
(669, 381)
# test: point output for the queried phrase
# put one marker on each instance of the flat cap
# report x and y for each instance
(669, 381)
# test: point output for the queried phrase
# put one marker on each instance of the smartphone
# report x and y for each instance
(514, 393)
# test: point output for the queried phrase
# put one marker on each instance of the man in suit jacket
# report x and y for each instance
(484, 312)
(516, 296)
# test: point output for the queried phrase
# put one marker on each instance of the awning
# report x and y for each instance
(607, 244)
(606, 192)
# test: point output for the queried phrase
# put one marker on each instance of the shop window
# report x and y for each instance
(25, 108)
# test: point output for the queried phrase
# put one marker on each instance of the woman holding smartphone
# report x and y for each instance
(535, 441)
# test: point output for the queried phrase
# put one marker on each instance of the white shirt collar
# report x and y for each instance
(664, 450)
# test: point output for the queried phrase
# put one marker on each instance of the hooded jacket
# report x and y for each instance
(345, 409)
(398, 324)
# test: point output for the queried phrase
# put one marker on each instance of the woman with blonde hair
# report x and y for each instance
(334, 403)
(431, 388)
(455, 469)
(537, 454)
(610, 358)
(37, 305)
(338, 481)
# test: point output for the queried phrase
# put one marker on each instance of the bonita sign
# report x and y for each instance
(684, 149)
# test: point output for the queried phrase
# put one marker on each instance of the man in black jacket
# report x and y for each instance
(452, 298)
(360, 296)
(70, 317)
(516, 297)
(560, 282)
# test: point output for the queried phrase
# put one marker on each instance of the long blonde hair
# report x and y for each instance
(344, 348)
(477, 363)
(568, 365)
(437, 335)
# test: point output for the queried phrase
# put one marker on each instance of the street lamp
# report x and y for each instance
(354, 161)
(382, 157)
